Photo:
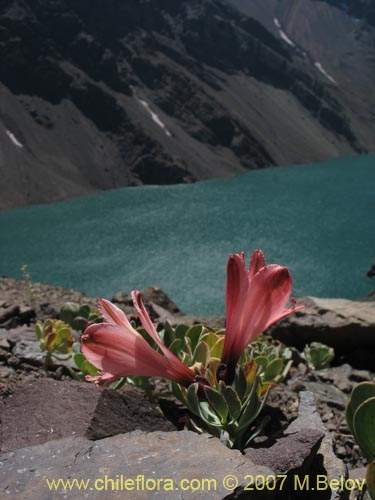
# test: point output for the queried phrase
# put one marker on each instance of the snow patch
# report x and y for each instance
(282, 33)
(14, 139)
(324, 72)
(155, 117)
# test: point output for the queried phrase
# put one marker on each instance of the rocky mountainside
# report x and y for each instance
(102, 94)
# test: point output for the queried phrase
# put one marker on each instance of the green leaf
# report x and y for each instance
(240, 384)
(210, 338)
(122, 381)
(349, 413)
(208, 415)
(194, 333)
(88, 369)
(262, 361)
(370, 479)
(85, 311)
(232, 400)
(364, 427)
(273, 369)
(180, 331)
(201, 354)
(217, 349)
(217, 402)
(79, 359)
(168, 334)
(69, 311)
(176, 346)
(79, 323)
(177, 392)
(39, 330)
(192, 399)
(361, 392)
(250, 408)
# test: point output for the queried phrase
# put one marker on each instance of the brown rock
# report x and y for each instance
(43, 410)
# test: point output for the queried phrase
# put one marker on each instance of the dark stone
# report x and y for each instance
(293, 452)
(156, 295)
(43, 410)
(371, 271)
(26, 314)
(9, 312)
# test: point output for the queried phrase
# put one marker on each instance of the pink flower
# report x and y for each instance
(118, 350)
(255, 298)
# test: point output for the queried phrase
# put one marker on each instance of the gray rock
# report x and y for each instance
(27, 348)
(23, 332)
(4, 344)
(339, 376)
(340, 323)
(167, 457)
(29, 351)
(326, 393)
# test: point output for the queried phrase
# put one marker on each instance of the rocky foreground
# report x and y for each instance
(53, 427)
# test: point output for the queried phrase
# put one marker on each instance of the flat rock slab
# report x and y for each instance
(138, 456)
(340, 323)
(44, 409)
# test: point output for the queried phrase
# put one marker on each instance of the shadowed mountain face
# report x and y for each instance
(99, 94)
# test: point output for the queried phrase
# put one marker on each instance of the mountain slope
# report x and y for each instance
(338, 38)
(101, 94)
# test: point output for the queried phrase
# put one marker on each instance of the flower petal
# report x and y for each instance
(265, 304)
(257, 261)
(113, 314)
(120, 352)
(236, 293)
(149, 326)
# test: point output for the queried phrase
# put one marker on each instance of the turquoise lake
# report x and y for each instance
(319, 220)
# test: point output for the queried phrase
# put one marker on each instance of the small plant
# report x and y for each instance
(30, 296)
(222, 381)
(360, 416)
(84, 367)
(78, 316)
(318, 356)
(55, 338)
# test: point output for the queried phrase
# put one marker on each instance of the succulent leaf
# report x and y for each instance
(370, 479)
(364, 427)
(273, 369)
(232, 400)
(217, 402)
